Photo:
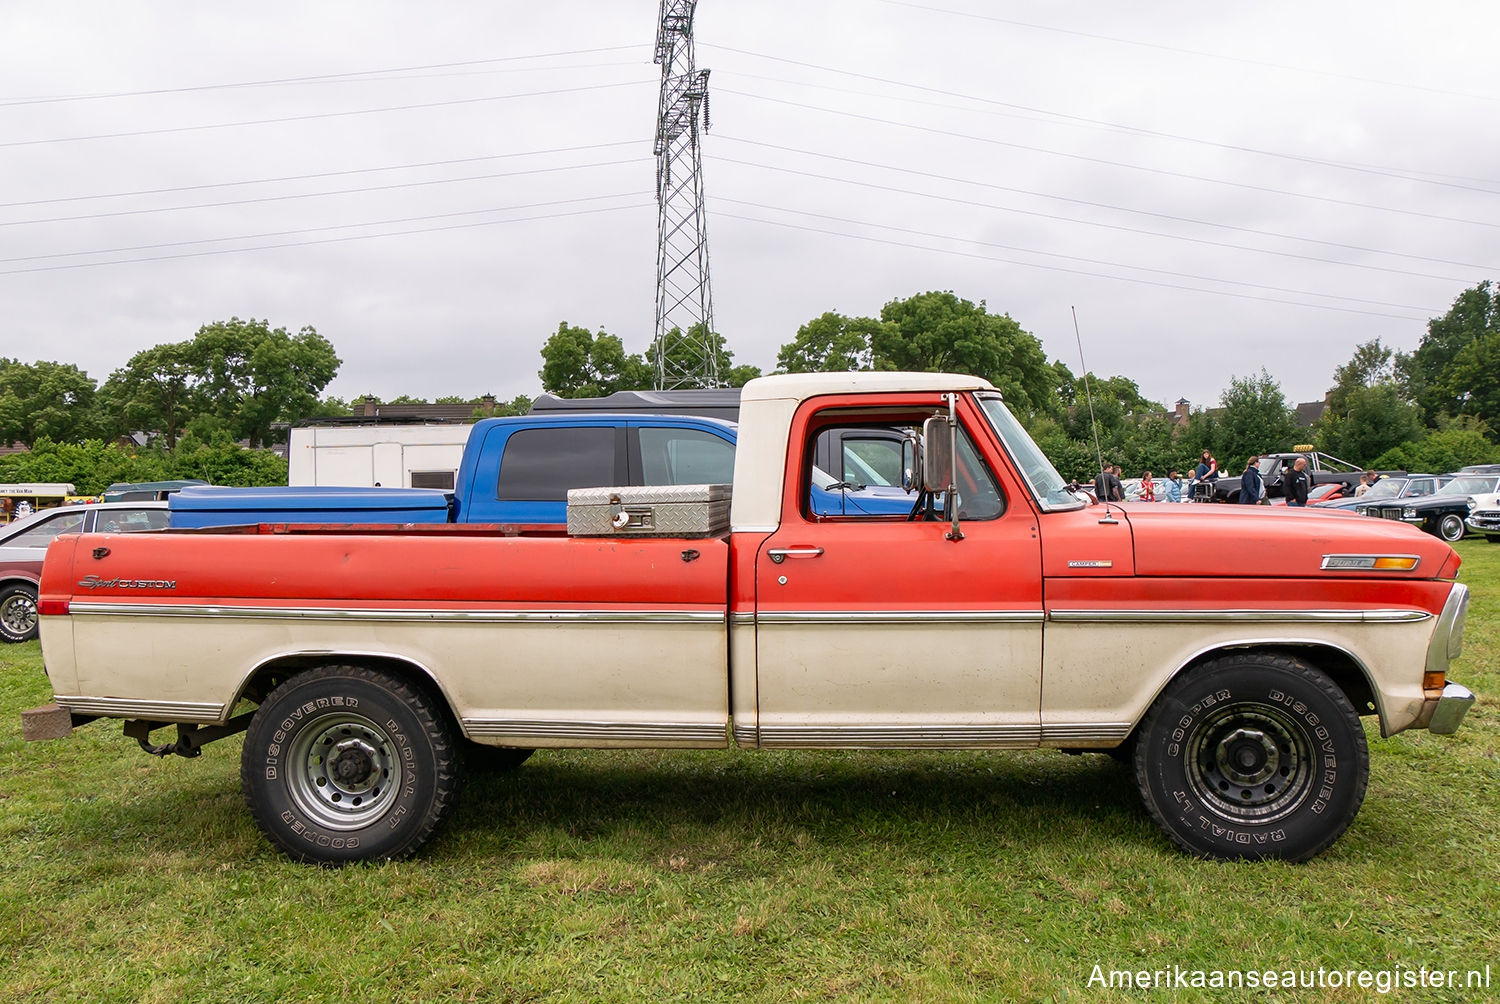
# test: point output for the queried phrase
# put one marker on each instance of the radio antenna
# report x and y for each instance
(1088, 394)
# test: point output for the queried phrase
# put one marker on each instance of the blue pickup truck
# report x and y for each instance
(518, 471)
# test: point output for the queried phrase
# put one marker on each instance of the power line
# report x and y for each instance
(313, 230)
(316, 195)
(1107, 205)
(1071, 271)
(314, 78)
(1068, 257)
(323, 115)
(324, 174)
(330, 240)
(1090, 223)
(1115, 163)
(1188, 52)
(1428, 178)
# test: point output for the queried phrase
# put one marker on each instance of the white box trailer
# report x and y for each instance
(362, 456)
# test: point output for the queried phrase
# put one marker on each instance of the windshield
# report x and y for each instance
(1386, 488)
(1046, 484)
(1268, 466)
(1469, 486)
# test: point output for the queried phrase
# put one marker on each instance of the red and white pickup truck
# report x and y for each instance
(1227, 652)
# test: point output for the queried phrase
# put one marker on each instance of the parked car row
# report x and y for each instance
(1445, 505)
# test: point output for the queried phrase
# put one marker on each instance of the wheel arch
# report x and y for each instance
(1347, 671)
(273, 671)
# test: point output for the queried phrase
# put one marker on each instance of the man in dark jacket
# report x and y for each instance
(1297, 483)
(1107, 487)
(1251, 486)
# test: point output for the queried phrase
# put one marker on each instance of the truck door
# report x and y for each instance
(878, 631)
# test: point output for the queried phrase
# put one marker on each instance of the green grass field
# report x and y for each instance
(596, 876)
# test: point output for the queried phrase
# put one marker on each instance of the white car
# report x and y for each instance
(1484, 516)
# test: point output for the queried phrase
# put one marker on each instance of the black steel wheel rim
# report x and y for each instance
(1250, 763)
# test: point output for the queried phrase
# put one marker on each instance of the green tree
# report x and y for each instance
(1425, 375)
(684, 351)
(1374, 420)
(578, 363)
(830, 343)
(257, 376)
(46, 400)
(156, 391)
(1472, 381)
(1255, 419)
(937, 331)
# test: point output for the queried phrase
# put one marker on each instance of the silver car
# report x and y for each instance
(23, 545)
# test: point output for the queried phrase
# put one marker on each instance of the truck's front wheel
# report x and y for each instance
(1253, 756)
(349, 764)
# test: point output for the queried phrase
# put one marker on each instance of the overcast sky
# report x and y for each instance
(1215, 187)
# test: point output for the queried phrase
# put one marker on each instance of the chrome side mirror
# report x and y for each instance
(911, 461)
(938, 435)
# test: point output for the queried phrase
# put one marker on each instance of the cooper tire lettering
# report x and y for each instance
(329, 782)
(1252, 756)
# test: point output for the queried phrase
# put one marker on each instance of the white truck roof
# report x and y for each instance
(766, 408)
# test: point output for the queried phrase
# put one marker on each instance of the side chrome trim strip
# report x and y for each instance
(398, 614)
(865, 617)
(1090, 732)
(160, 711)
(1240, 616)
(597, 731)
(898, 736)
(742, 618)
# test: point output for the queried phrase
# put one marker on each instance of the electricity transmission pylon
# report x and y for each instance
(683, 301)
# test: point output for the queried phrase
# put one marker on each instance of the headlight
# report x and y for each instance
(1408, 513)
(1473, 505)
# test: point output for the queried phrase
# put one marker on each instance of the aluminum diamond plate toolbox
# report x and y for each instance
(649, 511)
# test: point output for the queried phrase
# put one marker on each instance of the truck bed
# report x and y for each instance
(629, 635)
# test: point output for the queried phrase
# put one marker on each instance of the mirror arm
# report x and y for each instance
(954, 534)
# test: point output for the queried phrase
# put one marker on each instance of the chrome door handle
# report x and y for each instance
(780, 554)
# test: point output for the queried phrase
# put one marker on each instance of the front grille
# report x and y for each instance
(1387, 512)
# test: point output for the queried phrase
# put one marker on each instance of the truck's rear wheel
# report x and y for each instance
(1253, 756)
(17, 613)
(349, 764)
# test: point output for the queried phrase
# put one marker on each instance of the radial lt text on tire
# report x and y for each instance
(344, 764)
(1252, 756)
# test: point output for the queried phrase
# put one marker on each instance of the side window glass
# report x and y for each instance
(540, 465)
(684, 457)
(127, 520)
(872, 461)
(870, 485)
(979, 497)
(41, 536)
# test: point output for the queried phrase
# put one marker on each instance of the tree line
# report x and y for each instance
(241, 382)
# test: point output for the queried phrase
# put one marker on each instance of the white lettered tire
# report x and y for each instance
(345, 764)
(1252, 756)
